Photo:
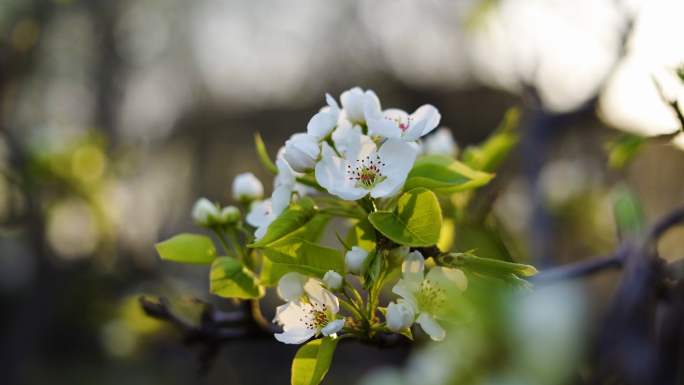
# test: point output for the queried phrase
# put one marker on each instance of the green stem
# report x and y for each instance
(224, 243)
(352, 330)
(310, 183)
(359, 300)
(341, 213)
(347, 335)
(352, 309)
(354, 304)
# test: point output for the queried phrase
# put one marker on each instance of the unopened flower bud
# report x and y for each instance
(398, 254)
(354, 259)
(399, 316)
(333, 280)
(247, 188)
(230, 215)
(204, 212)
(301, 152)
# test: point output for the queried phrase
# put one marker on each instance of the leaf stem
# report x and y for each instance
(224, 243)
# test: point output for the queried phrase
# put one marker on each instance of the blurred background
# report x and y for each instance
(115, 116)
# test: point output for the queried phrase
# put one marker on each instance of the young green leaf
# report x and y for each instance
(415, 222)
(624, 149)
(312, 361)
(289, 221)
(444, 175)
(488, 155)
(188, 248)
(362, 234)
(263, 155)
(305, 257)
(230, 279)
(272, 272)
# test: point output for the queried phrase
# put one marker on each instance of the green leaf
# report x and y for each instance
(488, 155)
(188, 248)
(415, 222)
(263, 154)
(371, 268)
(624, 149)
(312, 361)
(272, 272)
(290, 220)
(313, 230)
(628, 213)
(363, 235)
(230, 279)
(444, 175)
(305, 257)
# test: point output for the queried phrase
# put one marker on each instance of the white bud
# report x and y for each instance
(398, 254)
(440, 143)
(247, 188)
(332, 280)
(399, 316)
(204, 212)
(354, 259)
(230, 215)
(301, 152)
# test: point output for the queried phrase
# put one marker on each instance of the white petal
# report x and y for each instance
(398, 157)
(285, 175)
(431, 327)
(353, 102)
(291, 286)
(261, 213)
(260, 232)
(281, 199)
(331, 174)
(398, 316)
(428, 113)
(359, 147)
(451, 280)
(333, 327)
(321, 124)
(318, 296)
(383, 127)
(414, 131)
(295, 335)
(371, 106)
(413, 270)
(334, 107)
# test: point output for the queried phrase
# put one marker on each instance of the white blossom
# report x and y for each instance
(433, 297)
(354, 102)
(396, 123)
(264, 212)
(301, 152)
(343, 134)
(399, 316)
(247, 187)
(333, 280)
(204, 212)
(293, 286)
(440, 143)
(354, 259)
(366, 169)
(325, 121)
(303, 320)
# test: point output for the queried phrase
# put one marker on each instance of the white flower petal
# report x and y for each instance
(291, 286)
(413, 270)
(383, 127)
(286, 175)
(371, 106)
(295, 335)
(247, 186)
(402, 289)
(398, 158)
(320, 297)
(281, 199)
(450, 280)
(360, 147)
(261, 213)
(326, 150)
(333, 327)
(430, 326)
(321, 124)
(398, 316)
(414, 131)
(260, 232)
(429, 114)
(331, 174)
